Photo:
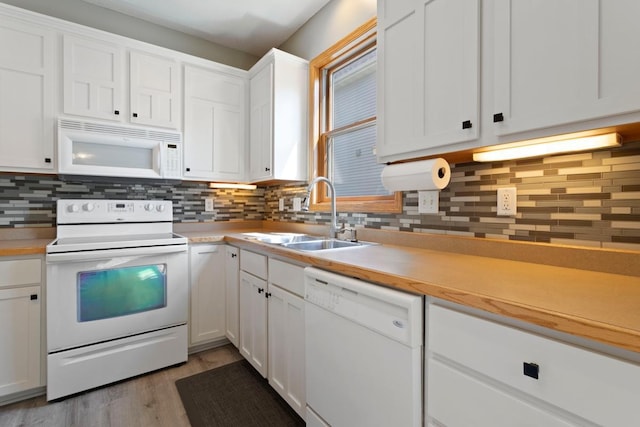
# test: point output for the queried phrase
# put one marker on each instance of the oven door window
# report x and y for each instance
(103, 294)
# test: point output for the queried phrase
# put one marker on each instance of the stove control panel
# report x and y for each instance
(83, 211)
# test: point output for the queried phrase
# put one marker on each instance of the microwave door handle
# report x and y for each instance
(159, 156)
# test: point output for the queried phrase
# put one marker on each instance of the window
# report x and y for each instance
(343, 121)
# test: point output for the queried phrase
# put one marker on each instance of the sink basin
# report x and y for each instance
(324, 244)
(281, 238)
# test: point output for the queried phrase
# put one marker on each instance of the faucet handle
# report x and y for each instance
(344, 229)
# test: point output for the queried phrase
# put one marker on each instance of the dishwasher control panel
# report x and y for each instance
(395, 314)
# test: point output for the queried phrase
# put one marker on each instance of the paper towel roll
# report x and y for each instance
(432, 174)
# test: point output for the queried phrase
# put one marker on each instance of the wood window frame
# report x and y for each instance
(362, 36)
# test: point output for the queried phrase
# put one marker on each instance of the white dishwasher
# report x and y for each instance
(363, 353)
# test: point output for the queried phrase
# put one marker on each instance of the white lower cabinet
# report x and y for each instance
(207, 293)
(232, 294)
(272, 324)
(505, 376)
(286, 333)
(253, 309)
(253, 321)
(20, 327)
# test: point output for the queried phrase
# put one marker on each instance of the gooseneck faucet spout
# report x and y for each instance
(333, 228)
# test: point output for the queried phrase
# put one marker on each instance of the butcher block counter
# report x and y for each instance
(599, 305)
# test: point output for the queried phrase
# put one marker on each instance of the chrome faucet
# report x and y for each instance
(333, 228)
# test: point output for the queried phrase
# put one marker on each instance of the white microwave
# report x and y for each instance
(102, 149)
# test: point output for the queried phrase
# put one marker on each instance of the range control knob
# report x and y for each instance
(148, 207)
(160, 208)
(73, 208)
(88, 207)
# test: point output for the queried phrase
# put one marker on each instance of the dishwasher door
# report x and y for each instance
(363, 353)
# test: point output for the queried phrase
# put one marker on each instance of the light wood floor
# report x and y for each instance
(144, 401)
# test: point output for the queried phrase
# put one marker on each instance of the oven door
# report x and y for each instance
(97, 296)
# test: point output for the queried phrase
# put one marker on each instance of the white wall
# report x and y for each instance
(332, 23)
(94, 16)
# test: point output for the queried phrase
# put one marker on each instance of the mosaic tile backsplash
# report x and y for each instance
(586, 199)
(30, 200)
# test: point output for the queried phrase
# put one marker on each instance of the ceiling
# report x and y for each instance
(252, 26)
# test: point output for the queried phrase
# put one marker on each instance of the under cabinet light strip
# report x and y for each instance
(232, 186)
(547, 148)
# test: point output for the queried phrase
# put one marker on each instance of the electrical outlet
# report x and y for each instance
(428, 202)
(507, 199)
(297, 204)
(208, 205)
(281, 204)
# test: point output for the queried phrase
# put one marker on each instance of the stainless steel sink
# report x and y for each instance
(281, 238)
(324, 244)
(303, 242)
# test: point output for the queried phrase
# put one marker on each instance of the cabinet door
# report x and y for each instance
(286, 347)
(547, 62)
(261, 119)
(428, 82)
(214, 128)
(232, 279)
(253, 321)
(93, 78)
(207, 291)
(19, 339)
(26, 97)
(155, 90)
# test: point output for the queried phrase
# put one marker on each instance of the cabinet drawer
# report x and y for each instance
(287, 276)
(17, 272)
(599, 388)
(449, 390)
(253, 263)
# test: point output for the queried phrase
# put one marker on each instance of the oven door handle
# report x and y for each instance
(113, 253)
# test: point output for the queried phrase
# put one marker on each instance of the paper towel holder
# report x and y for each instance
(432, 174)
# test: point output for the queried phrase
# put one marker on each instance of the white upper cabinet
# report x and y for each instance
(563, 62)
(542, 69)
(428, 75)
(27, 67)
(214, 124)
(278, 115)
(93, 78)
(154, 90)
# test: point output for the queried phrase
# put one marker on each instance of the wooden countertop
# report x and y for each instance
(23, 247)
(604, 307)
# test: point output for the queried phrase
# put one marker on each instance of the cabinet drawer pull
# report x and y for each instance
(117, 112)
(188, 169)
(135, 114)
(33, 297)
(47, 159)
(530, 369)
(467, 124)
(498, 117)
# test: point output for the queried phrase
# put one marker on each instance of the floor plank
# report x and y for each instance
(145, 401)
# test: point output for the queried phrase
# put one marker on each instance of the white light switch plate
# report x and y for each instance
(281, 204)
(208, 205)
(428, 202)
(507, 199)
(297, 204)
